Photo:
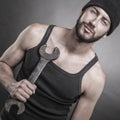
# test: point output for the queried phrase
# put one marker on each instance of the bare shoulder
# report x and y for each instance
(94, 81)
(36, 28)
(97, 73)
(31, 35)
(27, 39)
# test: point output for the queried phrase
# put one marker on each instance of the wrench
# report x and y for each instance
(45, 58)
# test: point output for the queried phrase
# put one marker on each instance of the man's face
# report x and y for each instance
(93, 24)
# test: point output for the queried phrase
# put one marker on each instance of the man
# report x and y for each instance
(63, 81)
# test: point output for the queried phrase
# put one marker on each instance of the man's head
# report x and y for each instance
(99, 18)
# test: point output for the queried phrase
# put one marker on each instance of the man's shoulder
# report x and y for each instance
(97, 74)
(37, 27)
(33, 34)
(94, 80)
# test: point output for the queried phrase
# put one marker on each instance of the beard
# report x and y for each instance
(81, 37)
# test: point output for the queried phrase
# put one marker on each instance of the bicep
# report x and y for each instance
(27, 39)
(83, 109)
(12, 55)
(87, 102)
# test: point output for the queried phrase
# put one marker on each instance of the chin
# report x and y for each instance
(87, 39)
(84, 37)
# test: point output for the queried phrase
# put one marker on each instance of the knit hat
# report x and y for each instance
(112, 8)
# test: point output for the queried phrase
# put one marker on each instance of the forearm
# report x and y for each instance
(84, 109)
(6, 75)
(21, 90)
(82, 116)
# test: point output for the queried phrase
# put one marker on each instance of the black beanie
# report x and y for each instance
(112, 8)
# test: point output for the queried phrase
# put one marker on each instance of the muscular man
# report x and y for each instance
(75, 76)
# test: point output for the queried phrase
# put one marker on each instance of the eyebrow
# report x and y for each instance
(95, 9)
(99, 13)
(107, 20)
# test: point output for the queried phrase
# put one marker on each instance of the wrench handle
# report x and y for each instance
(38, 69)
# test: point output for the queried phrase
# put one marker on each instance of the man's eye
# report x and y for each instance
(93, 12)
(104, 22)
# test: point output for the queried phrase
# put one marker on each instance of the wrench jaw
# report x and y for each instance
(54, 55)
(20, 105)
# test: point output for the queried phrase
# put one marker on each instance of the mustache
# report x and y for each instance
(89, 26)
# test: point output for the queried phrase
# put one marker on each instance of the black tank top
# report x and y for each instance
(56, 88)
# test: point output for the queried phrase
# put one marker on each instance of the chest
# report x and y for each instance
(54, 77)
(70, 64)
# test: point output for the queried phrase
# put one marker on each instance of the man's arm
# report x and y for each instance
(11, 57)
(92, 87)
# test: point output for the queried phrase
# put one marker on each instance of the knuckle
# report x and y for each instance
(18, 90)
(22, 85)
(28, 96)
(23, 81)
(30, 93)
(17, 96)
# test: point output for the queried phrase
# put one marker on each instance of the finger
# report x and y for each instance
(35, 87)
(31, 86)
(21, 95)
(26, 89)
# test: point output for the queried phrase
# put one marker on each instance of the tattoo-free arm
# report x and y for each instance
(14, 54)
(93, 88)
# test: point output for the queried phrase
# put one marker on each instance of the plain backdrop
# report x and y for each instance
(15, 15)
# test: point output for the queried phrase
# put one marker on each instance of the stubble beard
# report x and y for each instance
(82, 38)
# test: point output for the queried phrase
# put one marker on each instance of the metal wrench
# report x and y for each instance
(45, 58)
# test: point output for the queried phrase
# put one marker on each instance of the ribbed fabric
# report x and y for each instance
(56, 88)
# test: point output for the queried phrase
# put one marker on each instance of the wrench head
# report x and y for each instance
(54, 55)
(20, 105)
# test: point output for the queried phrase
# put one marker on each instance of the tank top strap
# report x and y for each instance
(47, 34)
(89, 65)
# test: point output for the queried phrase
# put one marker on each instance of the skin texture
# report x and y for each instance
(72, 45)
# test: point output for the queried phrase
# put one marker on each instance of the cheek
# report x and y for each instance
(100, 30)
(84, 18)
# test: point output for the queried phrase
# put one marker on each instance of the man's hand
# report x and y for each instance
(22, 90)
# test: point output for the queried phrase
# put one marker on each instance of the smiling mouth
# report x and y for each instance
(88, 29)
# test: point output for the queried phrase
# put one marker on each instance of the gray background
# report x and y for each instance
(15, 15)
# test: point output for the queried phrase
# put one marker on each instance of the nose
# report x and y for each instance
(92, 24)
(94, 21)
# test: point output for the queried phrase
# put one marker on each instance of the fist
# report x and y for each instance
(22, 90)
